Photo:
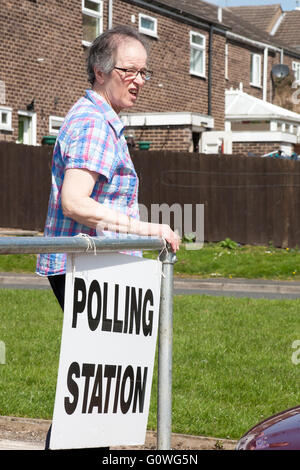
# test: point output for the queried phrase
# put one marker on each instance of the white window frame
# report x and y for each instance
(6, 126)
(296, 70)
(52, 119)
(256, 70)
(33, 118)
(202, 48)
(94, 14)
(147, 31)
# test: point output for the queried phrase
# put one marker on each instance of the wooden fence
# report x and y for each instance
(250, 200)
(25, 176)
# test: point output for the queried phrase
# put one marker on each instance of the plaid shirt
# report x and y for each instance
(91, 138)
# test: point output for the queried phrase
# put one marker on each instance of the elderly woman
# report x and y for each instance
(94, 184)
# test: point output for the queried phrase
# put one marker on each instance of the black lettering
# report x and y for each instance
(127, 298)
(94, 321)
(118, 324)
(70, 406)
(78, 305)
(147, 327)
(107, 322)
(96, 397)
(135, 311)
(118, 381)
(140, 390)
(125, 404)
(109, 372)
(88, 371)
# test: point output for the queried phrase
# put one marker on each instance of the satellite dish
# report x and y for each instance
(280, 71)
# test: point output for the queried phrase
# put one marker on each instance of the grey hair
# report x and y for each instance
(101, 53)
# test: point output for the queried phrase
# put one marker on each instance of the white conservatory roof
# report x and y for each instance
(240, 105)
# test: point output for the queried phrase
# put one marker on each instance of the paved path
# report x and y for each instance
(239, 288)
(225, 287)
(6, 444)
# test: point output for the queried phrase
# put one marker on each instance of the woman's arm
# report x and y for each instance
(77, 204)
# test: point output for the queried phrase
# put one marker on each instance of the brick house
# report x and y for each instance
(272, 41)
(42, 54)
(198, 51)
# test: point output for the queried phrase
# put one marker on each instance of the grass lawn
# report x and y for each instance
(212, 261)
(245, 261)
(231, 360)
(18, 263)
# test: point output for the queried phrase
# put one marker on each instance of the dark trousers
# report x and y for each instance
(58, 286)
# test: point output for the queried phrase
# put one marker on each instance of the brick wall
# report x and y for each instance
(239, 57)
(52, 31)
(173, 138)
(41, 30)
(258, 148)
(172, 87)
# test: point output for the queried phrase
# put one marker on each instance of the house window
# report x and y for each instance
(91, 20)
(148, 25)
(255, 70)
(26, 128)
(197, 59)
(5, 118)
(55, 123)
(296, 69)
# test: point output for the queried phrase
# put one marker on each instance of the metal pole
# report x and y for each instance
(78, 244)
(165, 340)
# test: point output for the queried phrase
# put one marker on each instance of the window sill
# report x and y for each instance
(255, 85)
(195, 74)
(6, 129)
(148, 33)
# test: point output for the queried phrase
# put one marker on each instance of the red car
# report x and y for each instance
(279, 432)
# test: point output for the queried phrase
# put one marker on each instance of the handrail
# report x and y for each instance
(77, 244)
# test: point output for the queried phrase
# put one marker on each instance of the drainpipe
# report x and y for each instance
(210, 59)
(265, 73)
(110, 14)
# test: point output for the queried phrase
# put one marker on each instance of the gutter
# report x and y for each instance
(178, 15)
(258, 44)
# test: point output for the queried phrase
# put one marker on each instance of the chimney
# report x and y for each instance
(220, 10)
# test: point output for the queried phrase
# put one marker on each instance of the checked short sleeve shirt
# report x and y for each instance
(91, 138)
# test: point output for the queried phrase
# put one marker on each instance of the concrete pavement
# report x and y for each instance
(7, 444)
(188, 286)
(238, 288)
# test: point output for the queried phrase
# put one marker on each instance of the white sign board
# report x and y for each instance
(107, 351)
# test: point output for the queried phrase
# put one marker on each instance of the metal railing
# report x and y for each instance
(79, 244)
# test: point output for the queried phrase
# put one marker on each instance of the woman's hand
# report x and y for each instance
(165, 232)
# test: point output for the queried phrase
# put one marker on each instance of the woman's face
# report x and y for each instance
(119, 91)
